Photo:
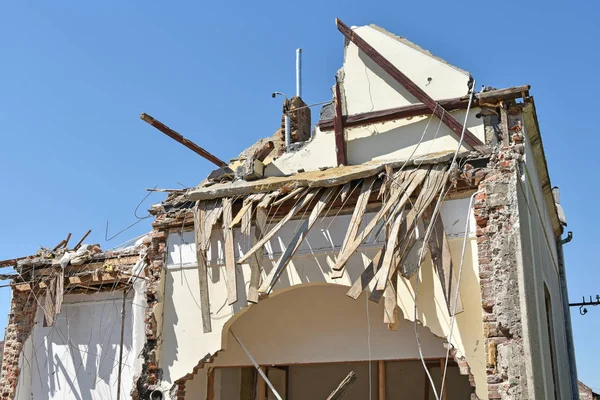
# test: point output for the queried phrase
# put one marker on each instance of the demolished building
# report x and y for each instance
(411, 237)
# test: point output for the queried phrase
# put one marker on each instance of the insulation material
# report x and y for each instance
(78, 358)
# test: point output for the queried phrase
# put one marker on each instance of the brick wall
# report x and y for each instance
(151, 373)
(498, 236)
(20, 324)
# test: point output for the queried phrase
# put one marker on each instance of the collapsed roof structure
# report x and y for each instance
(428, 200)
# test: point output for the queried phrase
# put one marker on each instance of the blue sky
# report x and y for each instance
(75, 75)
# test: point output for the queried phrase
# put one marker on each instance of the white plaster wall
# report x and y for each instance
(319, 323)
(407, 138)
(184, 343)
(367, 87)
(78, 356)
(540, 264)
(24, 386)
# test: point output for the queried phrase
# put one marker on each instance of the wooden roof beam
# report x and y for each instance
(180, 139)
(456, 127)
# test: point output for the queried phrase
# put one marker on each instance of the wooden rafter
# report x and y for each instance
(447, 118)
(442, 261)
(357, 217)
(489, 98)
(305, 201)
(229, 252)
(199, 226)
(408, 186)
(338, 127)
(296, 241)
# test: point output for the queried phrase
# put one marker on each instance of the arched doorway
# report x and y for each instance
(309, 337)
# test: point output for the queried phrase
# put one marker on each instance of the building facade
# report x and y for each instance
(411, 236)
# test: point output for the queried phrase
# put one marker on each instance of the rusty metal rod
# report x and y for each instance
(179, 138)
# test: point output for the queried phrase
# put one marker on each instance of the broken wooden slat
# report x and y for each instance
(390, 303)
(296, 241)
(442, 260)
(409, 85)
(407, 187)
(389, 253)
(289, 196)
(297, 207)
(60, 290)
(343, 387)
(213, 212)
(78, 245)
(67, 240)
(432, 187)
(367, 275)
(345, 191)
(266, 201)
(338, 126)
(256, 260)
(246, 206)
(49, 303)
(199, 226)
(434, 182)
(357, 217)
(229, 252)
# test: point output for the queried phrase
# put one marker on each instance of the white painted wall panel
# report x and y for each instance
(78, 357)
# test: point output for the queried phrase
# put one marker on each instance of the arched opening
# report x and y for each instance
(310, 337)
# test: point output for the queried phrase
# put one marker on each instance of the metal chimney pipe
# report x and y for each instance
(299, 72)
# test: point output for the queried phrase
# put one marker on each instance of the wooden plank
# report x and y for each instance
(214, 210)
(78, 245)
(391, 114)
(266, 201)
(210, 384)
(390, 304)
(200, 224)
(246, 226)
(427, 383)
(261, 386)
(338, 127)
(180, 139)
(409, 85)
(246, 206)
(289, 196)
(60, 290)
(357, 217)
(345, 191)
(381, 379)
(297, 207)
(389, 253)
(296, 241)
(248, 384)
(229, 252)
(491, 98)
(367, 275)
(442, 260)
(430, 190)
(442, 370)
(400, 197)
(343, 387)
(257, 258)
(49, 303)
